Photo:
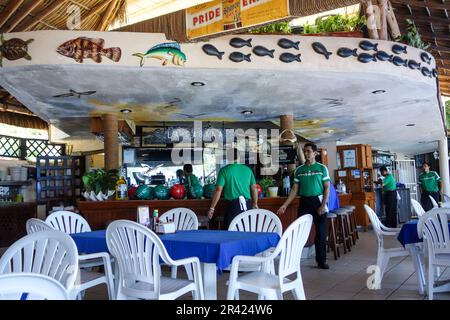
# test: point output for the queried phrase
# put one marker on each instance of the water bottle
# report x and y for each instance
(286, 182)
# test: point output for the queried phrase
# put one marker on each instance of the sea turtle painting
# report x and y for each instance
(14, 49)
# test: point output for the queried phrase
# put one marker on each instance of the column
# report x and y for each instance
(110, 131)
(287, 123)
(443, 164)
(332, 162)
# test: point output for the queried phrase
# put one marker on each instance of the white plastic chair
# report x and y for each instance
(138, 252)
(433, 227)
(384, 254)
(435, 204)
(417, 208)
(184, 219)
(35, 225)
(31, 286)
(446, 198)
(271, 286)
(257, 220)
(68, 222)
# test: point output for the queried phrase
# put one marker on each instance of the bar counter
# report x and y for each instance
(13, 218)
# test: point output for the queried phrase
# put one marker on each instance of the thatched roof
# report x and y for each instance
(27, 15)
(433, 21)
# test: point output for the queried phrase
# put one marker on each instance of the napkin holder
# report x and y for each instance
(165, 227)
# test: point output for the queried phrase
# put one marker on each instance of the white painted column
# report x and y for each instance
(332, 163)
(443, 164)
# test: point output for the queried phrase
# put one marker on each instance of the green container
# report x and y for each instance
(208, 190)
(144, 192)
(162, 192)
(195, 192)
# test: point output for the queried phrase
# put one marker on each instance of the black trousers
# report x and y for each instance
(390, 203)
(425, 200)
(309, 205)
(233, 209)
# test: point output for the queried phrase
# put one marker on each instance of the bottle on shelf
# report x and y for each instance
(286, 182)
(154, 221)
(121, 189)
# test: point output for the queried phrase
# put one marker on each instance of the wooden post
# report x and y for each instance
(382, 31)
(110, 131)
(371, 20)
(287, 123)
(394, 29)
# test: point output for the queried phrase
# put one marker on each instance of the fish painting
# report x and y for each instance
(347, 52)
(209, 49)
(263, 51)
(367, 45)
(289, 57)
(414, 65)
(288, 44)
(73, 93)
(384, 56)
(425, 57)
(426, 72)
(399, 61)
(167, 52)
(320, 49)
(88, 48)
(14, 49)
(239, 57)
(365, 57)
(398, 49)
(239, 42)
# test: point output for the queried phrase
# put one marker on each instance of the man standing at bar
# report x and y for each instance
(430, 185)
(390, 197)
(312, 184)
(238, 184)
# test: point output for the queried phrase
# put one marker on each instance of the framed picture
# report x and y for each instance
(342, 173)
(143, 215)
(349, 158)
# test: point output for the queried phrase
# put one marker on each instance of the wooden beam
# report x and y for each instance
(437, 36)
(424, 4)
(20, 15)
(95, 10)
(421, 19)
(106, 20)
(8, 11)
(394, 29)
(51, 8)
(382, 32)
(371, 20)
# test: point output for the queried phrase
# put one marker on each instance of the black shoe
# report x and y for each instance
(323, 266)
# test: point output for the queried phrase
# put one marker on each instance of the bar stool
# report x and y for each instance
(332, 235)
(353, 223)
(343, 229)
(351, 230)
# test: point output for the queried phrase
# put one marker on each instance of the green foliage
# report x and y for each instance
(265, 183)
(335, 23)
(412, 36)
(100, 180)
(278, 27)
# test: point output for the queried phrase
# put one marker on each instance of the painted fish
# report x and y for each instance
(367, 45)
(239, 57)
(320, 49)
(167, 52)
(365, 57)
(398, 49)
(289, 57)
(209, 49)
(288, 44)
(435, 73)
(399, 61)
(414, 65)
(384, 56)
(347, 52)
(425, 57)
(426, 72)
(14, 49)
(88, 48)
(239, 42)
(263, 51)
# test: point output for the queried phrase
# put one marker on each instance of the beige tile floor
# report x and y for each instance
(346, 279)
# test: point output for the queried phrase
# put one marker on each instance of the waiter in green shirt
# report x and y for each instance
(390, 197)
(238, 184)
(312, 184)
(431, 185)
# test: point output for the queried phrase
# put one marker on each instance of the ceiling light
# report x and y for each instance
(379, 91)
(126, 111)
(247, 112)
(411, 125)
(198, 84)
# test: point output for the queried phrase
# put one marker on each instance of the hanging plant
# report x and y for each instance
(412, 36)
(335, 23)
(278, 27)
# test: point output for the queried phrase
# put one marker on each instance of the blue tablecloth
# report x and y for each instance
(210, 246)
(408, 233)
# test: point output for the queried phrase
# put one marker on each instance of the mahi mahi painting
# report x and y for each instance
(167, 52)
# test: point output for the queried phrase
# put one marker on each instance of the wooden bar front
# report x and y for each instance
(13, 218)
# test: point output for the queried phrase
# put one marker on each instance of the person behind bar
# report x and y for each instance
(238, 184)
(390, 197)
(431, 185)
(189, 178)
(312, 184)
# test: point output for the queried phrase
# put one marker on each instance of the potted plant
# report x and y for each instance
(268, 186)
(99, 184)
(412, 37)
(336, 25)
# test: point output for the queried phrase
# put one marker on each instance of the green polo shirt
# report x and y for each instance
(429, 181)
(191, 180)
(389, 183)
(236, 180)
(310, 179)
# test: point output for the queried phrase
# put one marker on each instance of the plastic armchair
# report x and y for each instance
(35, 225)
(417, 208)
(139, 252)
(435, 204)
(31, 286)
(268, 285)
(384, 254)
